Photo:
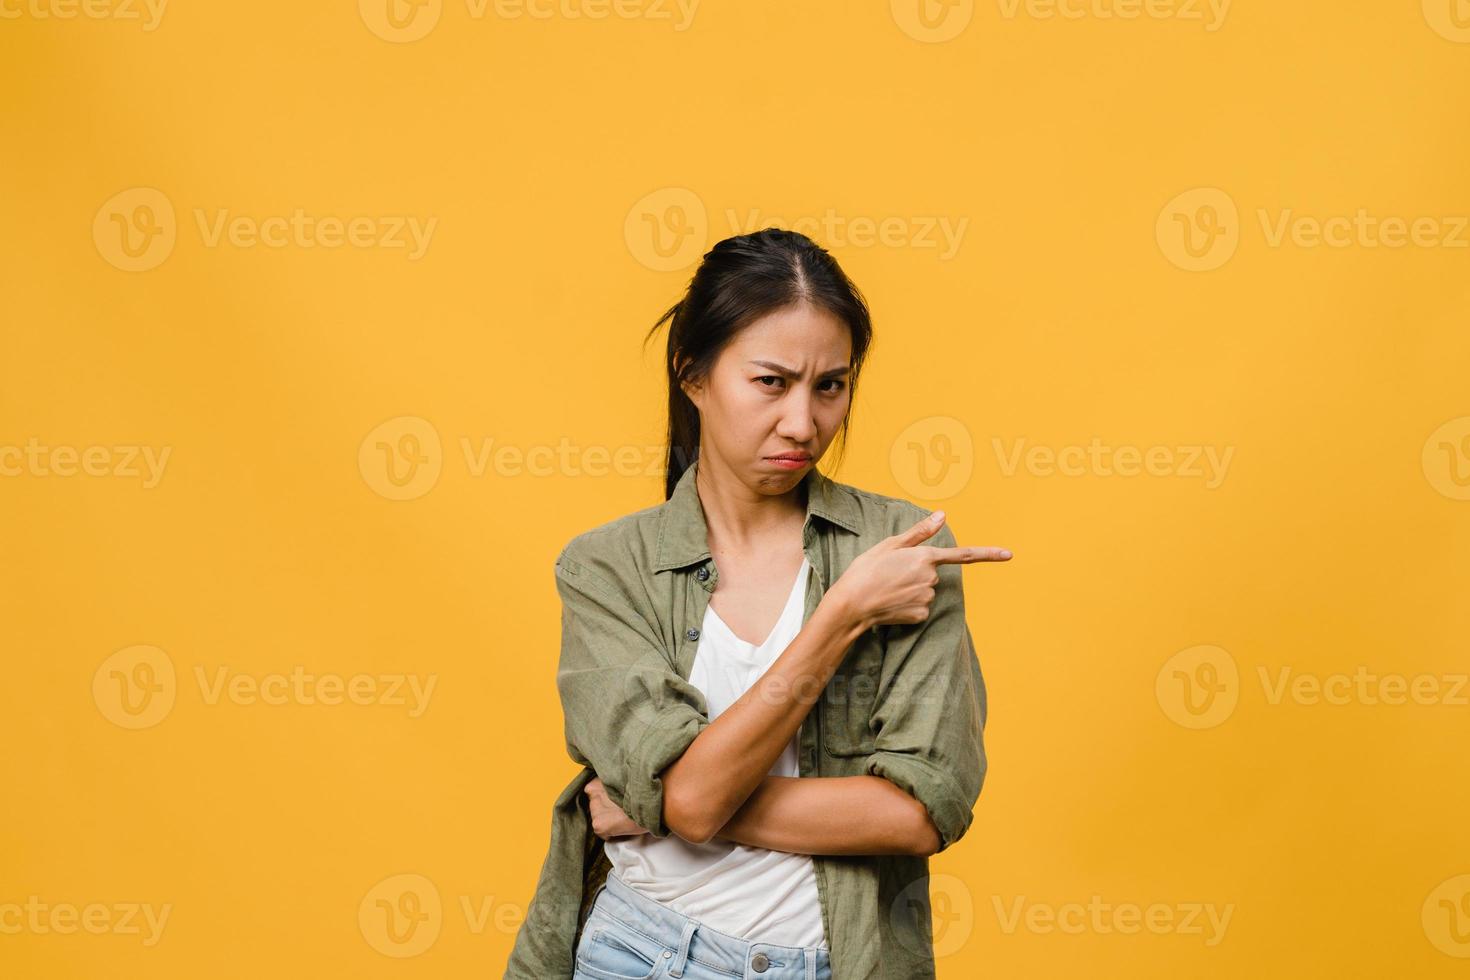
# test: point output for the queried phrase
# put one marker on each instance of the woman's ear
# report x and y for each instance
(691, 389)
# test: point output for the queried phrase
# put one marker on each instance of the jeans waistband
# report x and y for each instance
(690, 938)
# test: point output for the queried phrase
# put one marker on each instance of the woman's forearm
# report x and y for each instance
(728, 759)
(832, 815)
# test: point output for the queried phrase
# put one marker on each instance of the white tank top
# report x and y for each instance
(748, 892)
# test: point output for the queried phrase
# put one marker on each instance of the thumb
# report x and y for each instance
(921, 531)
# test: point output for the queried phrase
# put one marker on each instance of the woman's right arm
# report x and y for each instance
(890, 583)
(730, 757)
(646, 731)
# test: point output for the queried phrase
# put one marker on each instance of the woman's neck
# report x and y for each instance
(741, 521)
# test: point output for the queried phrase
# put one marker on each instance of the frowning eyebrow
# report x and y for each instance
(787, 372)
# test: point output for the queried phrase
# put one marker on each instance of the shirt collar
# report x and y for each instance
(683, 536)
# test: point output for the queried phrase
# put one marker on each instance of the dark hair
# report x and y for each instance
(740, 280)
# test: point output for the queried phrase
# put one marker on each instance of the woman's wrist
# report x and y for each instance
(844, 615)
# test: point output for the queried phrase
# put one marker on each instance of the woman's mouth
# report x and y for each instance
(790, 461)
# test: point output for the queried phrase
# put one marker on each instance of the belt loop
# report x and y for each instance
(677, 969)
(811, 964)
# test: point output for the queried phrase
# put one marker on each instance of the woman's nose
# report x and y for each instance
(797, 423)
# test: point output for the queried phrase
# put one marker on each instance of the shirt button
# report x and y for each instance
(692, 633)
(702, 574)
(759, 962)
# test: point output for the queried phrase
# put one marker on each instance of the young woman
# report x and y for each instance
(768, 678)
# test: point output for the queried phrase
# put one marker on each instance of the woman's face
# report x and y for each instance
(781, 387)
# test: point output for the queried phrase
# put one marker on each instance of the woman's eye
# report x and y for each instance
(836, 385)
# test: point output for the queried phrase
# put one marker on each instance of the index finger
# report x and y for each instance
(965, 556)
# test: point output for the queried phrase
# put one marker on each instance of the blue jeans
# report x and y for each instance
(629, 936)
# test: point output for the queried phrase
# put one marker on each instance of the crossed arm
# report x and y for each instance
(664, 767)
(808, 815)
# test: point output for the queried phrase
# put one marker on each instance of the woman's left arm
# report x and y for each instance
(806, 815)
(832, 815)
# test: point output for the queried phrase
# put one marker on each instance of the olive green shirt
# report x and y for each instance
(906, 704)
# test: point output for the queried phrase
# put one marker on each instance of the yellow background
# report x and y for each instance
(547, 150)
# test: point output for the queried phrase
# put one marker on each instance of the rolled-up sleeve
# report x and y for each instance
(628, 714)
(929, 716)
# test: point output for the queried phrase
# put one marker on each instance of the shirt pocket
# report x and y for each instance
(847, 703)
